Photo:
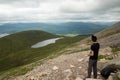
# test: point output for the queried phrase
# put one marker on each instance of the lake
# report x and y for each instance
(45, 43)
(3, 35)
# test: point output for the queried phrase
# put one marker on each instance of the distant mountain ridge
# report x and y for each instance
(81, 28)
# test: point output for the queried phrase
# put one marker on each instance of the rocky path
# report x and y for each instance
(64, 67)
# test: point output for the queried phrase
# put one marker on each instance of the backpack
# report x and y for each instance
(105, 72)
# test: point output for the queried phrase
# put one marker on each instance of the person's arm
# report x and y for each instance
(91, 53)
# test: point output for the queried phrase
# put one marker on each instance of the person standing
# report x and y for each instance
(93, 57)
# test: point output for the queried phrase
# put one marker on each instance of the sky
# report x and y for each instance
(59, 10)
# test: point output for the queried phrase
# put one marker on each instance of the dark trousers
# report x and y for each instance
(92, 65)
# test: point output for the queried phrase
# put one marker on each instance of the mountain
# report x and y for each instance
(16, 51)
(72, 64)
(110, 36)
(114, 29)
(107, 37)
(66, 59)
(81, 28)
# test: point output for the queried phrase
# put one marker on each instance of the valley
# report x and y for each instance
(63, 28)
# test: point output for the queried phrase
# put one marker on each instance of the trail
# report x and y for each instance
(65, 67)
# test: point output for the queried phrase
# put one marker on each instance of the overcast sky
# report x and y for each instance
(59, 10)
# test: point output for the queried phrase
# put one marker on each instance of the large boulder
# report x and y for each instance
(105, 72)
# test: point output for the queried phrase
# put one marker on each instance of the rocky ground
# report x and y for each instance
(65, 67)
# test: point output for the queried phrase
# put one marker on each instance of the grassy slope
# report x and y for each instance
(22, 40)
(110, 36)
(22, 53)
(13, 46)
(114, 29)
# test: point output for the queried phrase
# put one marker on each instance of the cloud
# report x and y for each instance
(58, 10)
(21, 3)
(89, 5)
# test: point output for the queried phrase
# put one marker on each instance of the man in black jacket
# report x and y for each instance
(92, 65)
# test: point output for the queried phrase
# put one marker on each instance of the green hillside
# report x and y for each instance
(15, 49)
(12, 44)
(22, 40)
